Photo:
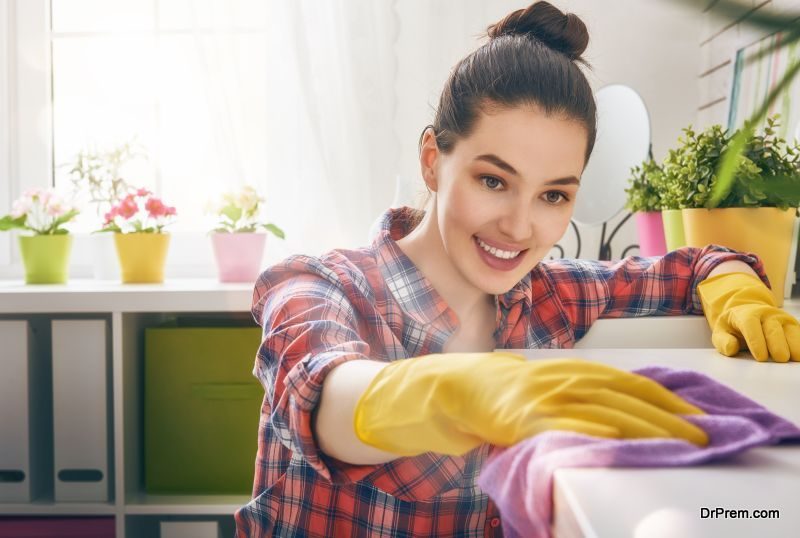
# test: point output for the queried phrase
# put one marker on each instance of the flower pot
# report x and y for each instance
(764, 231)
(673, 229)
(45, 257)
(651, 233)
(142, 256)
(238, 255)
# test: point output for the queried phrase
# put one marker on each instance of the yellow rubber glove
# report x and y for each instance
(451, 403)
(741, 310)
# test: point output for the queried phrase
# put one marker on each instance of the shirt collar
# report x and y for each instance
(411, 289)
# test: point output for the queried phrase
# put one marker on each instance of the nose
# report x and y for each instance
(517, 223)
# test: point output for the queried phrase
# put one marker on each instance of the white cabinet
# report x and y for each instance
(71, 401)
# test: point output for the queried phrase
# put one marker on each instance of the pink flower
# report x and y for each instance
(143, 192)
(128, 207)
(171, 211)
(155, 207)
(111, 215)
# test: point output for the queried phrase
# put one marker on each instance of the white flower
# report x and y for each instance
(248, 199)
(22, 206)
(55, 206)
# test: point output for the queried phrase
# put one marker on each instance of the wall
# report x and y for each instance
(650, 45)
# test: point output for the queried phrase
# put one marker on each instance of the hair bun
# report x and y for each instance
(562, 32)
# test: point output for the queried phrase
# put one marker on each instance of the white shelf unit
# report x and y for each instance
(128, 309)
(131, 308)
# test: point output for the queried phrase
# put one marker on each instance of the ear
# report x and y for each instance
(428, 158)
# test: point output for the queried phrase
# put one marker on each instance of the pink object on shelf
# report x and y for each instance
(57, 527)
(651, 233)
(238, 256)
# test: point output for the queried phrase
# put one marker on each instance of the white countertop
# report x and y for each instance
(608, 502)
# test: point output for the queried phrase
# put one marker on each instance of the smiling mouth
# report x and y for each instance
(498, 253)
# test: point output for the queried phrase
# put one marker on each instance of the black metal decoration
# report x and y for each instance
(605, 244)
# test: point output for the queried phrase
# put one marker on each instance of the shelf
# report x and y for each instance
(185, 504)
(82, 296)
(46, 507)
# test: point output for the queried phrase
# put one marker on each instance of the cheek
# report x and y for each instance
(463, 206)
(555, 227)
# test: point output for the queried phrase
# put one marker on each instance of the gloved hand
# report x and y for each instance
(740, 310)
(451, 403)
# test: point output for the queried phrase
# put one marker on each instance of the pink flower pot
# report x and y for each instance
(238, 256)
(651, 233)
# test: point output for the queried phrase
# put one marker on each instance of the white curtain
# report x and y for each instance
(332, 152)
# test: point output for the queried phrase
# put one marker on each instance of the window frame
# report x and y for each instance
(27, 161)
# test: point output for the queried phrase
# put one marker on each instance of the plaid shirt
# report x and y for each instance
(373, 303)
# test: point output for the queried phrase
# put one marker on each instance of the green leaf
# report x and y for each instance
(9, 223)
(110, 228)
(275, 230)
(63, 219)
(232, 212)
(733, 155)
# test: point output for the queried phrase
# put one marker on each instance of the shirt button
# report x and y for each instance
(495, 522)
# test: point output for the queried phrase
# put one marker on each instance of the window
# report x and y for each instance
(183, 80)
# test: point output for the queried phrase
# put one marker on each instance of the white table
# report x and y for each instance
(651, 503)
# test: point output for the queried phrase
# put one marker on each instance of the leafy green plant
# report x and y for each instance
(767, 164)
(644, 190)
(41, 211)
(240, 212)
(782, 187)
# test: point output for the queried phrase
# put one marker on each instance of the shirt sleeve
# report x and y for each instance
(638, 286)
(309, 328)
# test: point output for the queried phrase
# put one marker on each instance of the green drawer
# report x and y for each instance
(201, 410)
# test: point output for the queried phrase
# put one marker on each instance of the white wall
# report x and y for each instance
(650, 45)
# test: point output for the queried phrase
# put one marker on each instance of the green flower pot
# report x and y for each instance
(673, 229)
(45, 257)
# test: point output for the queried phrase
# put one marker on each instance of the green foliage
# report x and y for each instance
(643, 193)
(785, 189)
(240, 212)
(56, 226)
(767, 174)
(10, 223)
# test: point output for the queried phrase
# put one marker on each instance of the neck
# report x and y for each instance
(425, 248)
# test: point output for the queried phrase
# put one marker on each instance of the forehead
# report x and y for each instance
(534, 143)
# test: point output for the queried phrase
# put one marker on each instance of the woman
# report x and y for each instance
(376, 420)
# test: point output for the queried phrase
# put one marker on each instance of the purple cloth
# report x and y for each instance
(519, 478)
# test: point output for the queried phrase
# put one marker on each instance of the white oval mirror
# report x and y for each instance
(623, 141)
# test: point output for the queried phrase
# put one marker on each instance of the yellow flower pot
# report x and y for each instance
(142, 256)
(764, 231)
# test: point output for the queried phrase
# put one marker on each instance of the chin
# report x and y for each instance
(498, 287)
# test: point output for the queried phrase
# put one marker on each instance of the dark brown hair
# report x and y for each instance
(531, 58)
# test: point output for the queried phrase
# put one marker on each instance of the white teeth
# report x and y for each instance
(496, 252)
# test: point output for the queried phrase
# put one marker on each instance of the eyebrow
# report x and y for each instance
(500, 163)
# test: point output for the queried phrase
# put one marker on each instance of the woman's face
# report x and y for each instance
(506, 193)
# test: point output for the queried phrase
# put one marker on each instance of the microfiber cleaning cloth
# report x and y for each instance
(519, 479)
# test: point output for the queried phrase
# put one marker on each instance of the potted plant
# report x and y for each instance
(237, 241)
(687, 173)
(753, 215)
(97, 178)
(645, 202)
(45, 252)
(138, 222)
